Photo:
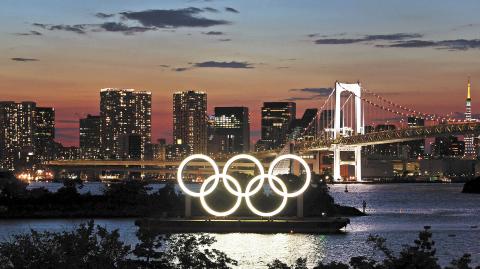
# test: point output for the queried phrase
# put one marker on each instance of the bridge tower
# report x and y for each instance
(341, 130)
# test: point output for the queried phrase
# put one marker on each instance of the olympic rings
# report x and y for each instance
(237, 191)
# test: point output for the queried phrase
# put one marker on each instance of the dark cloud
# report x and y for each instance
(224, 39)
(121, 27)
(319, 91)
(213, 33)
(455, 44)
(231, 9)
(211, 9)
(315, 93)
(171, 18)
(19, 59)
(366, 38)
(77, 28)
(132, 22)
(35, 33)
(180, 69)
(404, 40)
(102, 15)
(232, 64)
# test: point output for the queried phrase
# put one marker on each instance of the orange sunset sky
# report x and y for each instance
(242, 53)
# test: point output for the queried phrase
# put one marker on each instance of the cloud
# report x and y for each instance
(132, 22)
(180, 69)
(121, 27)
(35, 33)
(403, 40)
(224, 39)
(102, 15)
(231, 9)
(211, 9)
(319, 91)
(315, 93)
(164, 65)
(213, 33)
(454, 44)
(19, 59)
(366, 38)
(171, 18)
(77, 28)
(232, 64)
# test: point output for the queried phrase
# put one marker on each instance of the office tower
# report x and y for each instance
(17, 134)
(124, 112)
(90, 136)
(130, 146)
(415, 148)
(66, 153)
(232, 129)
(448, 147)
(469, 146)
(276, 119)
(177, 151)
(305, 127)
(156, 151)
(190, 120)
(44, 133)
(213, 145)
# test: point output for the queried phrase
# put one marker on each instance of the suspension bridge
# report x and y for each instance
(344, 123)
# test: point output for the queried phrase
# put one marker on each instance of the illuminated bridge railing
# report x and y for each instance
(392, 136)
(411, 134)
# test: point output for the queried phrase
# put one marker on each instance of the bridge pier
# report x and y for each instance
(337, 161)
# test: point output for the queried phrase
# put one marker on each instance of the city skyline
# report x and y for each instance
(62, 61)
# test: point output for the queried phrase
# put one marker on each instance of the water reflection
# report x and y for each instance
(398, 212)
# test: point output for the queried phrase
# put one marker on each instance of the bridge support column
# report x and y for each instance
(358, 163)
(336, 163)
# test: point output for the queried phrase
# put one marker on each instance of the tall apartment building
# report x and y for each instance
(276, 120)
(124, 112)
(190, 120)
(232, 130)
(90, 137)
(17, 147)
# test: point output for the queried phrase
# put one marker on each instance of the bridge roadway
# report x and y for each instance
(392, 136)
(373, 138)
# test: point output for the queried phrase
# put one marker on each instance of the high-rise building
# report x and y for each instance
(177, 151)
(276, 119)
(44, 133)
(190, 120)
(131, 146)
(17, 121)
(232, 129)
(448, 147)
(468, 139)
(415, 148)
(90, 136)
(124, 112)
(305, 127)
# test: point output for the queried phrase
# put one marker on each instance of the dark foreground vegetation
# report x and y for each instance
(134, 199)
(95, 247)
(472, 186)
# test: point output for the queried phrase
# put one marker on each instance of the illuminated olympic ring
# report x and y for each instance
(237, 189)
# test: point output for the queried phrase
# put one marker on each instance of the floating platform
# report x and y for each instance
(307, 225)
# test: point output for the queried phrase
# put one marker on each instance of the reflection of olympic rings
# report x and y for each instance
(237, 189)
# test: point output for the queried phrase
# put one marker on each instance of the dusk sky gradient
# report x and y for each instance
(61, 53)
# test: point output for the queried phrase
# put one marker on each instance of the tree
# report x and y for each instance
(84, 247)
